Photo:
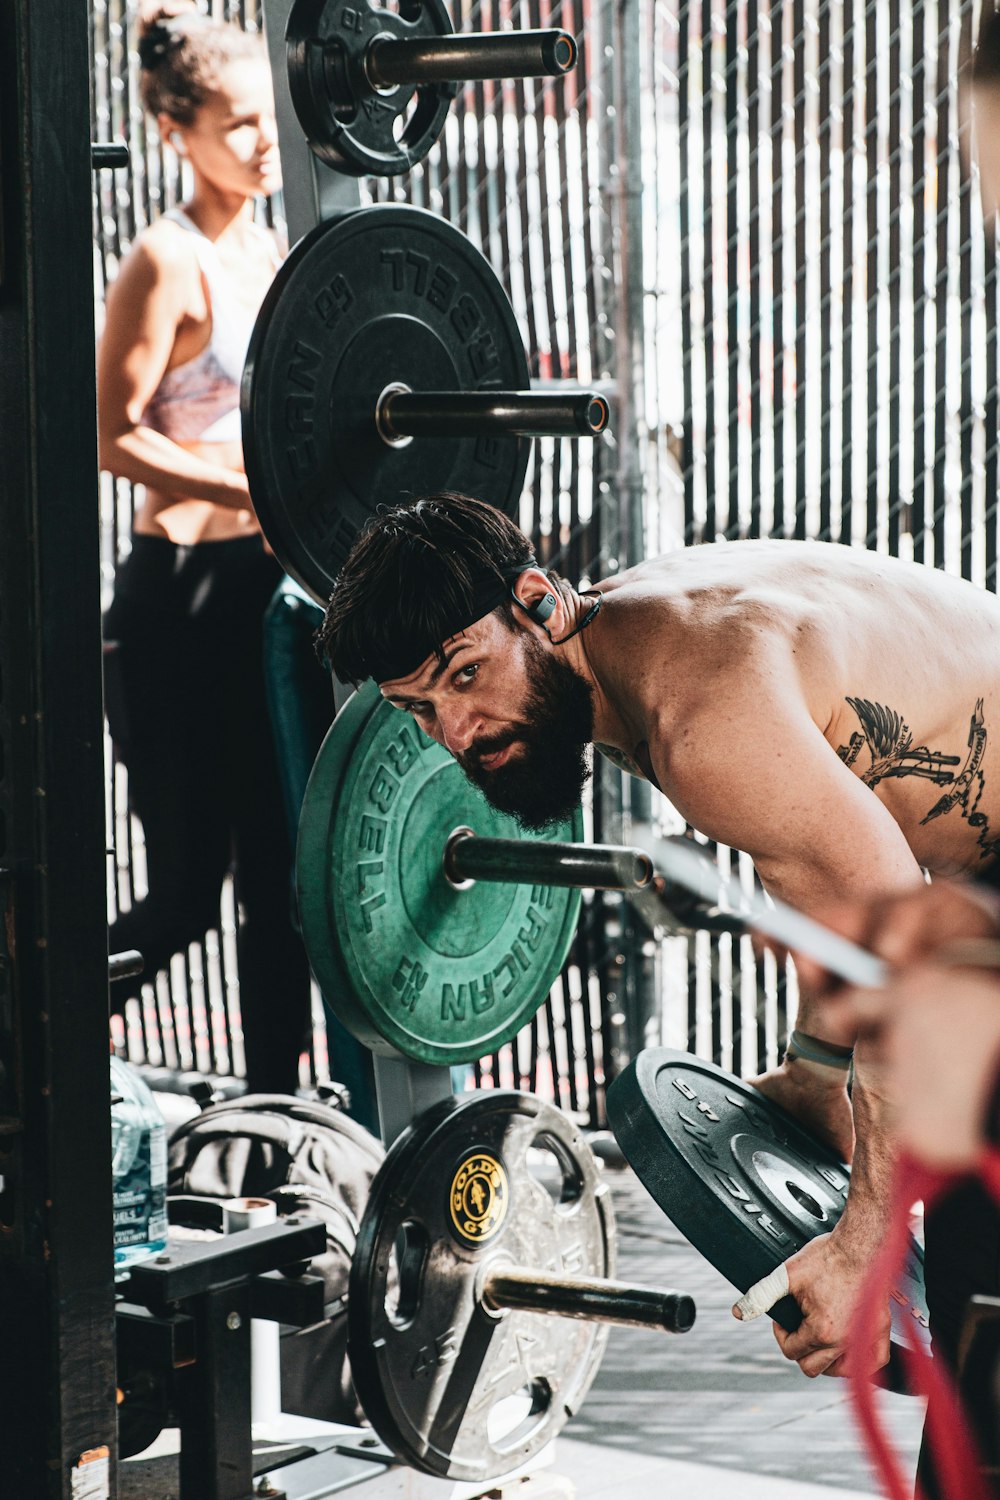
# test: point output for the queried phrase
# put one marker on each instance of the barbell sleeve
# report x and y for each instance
(470, 58)
(591, 1299)
(109, 155)
(455, 414)
(125, 965)
(598, 867)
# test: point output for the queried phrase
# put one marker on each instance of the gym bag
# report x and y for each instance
(308, 1157)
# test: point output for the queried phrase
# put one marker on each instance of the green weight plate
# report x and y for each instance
(489, 1179)
(411, 965)
(739, 1177)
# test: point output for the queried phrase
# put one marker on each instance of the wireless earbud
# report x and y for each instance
(177, 143)
(541, 609)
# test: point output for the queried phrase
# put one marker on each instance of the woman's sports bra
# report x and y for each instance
(199, 401)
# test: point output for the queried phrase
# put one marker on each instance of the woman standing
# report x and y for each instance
(186, 699)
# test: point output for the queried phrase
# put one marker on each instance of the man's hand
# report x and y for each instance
(817, 1097)
(826, 1278)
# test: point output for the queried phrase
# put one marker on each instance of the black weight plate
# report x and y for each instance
(738, 1176)
(352, 126)
(452, 1389)
(374, 297)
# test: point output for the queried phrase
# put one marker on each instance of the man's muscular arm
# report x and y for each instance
(751, 769)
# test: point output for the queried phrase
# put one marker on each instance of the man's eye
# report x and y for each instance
(467, 673)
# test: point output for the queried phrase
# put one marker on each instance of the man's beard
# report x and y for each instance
(543, 781)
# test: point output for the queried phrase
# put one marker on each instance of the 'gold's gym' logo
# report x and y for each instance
(478, 1198)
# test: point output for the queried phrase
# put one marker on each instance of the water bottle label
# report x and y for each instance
(140, 1197)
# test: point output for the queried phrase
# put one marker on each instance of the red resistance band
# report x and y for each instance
(950, 1441)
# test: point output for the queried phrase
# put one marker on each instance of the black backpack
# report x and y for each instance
(310, 1158)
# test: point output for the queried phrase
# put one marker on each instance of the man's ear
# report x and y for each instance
(535, 596)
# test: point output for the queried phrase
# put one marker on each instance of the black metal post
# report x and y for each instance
(599, 867)
(942, 201)
(896, 302)
(965, 314)
(802, 268)
(57, 1408)
(589, 1298)
(685, 178)
(213, 1399)
(708, 270)
(469, 57)
(776, 15)
(826, 126)
(733, 247)
(848, 110)
(448, 414)
(918, 194)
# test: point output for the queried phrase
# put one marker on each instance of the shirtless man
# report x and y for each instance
(834, 713)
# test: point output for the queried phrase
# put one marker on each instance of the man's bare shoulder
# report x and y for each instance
(822, 602)
(725, 603)
(788, 567)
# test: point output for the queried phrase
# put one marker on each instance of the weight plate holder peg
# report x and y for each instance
(740, 1178)
(411, 964)
(487, 1212)
(372, 84)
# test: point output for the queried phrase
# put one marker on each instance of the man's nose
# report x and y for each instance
(460, 727)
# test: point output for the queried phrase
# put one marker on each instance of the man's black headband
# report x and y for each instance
(489, 590)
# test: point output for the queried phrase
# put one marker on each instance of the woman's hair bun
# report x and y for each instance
(181, 51)
(161, 28)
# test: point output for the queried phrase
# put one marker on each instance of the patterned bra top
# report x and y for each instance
(199, 401)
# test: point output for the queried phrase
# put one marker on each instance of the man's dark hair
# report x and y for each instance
(417, 575)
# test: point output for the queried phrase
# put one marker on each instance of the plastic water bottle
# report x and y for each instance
(138, 1167)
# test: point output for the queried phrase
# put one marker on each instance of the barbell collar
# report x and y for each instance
(588, 1298)
(596, 867)
(469, 58)
(403, 414)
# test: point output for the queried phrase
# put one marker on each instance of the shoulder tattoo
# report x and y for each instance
(888, 742)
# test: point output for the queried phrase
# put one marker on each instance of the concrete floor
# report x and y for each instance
(719, 1411)
(717, 1414)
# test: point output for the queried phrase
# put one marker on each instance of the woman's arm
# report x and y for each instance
(144, 310)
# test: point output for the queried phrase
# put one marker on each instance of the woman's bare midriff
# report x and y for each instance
(185, 521)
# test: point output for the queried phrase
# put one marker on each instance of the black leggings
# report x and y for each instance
(187, 710)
